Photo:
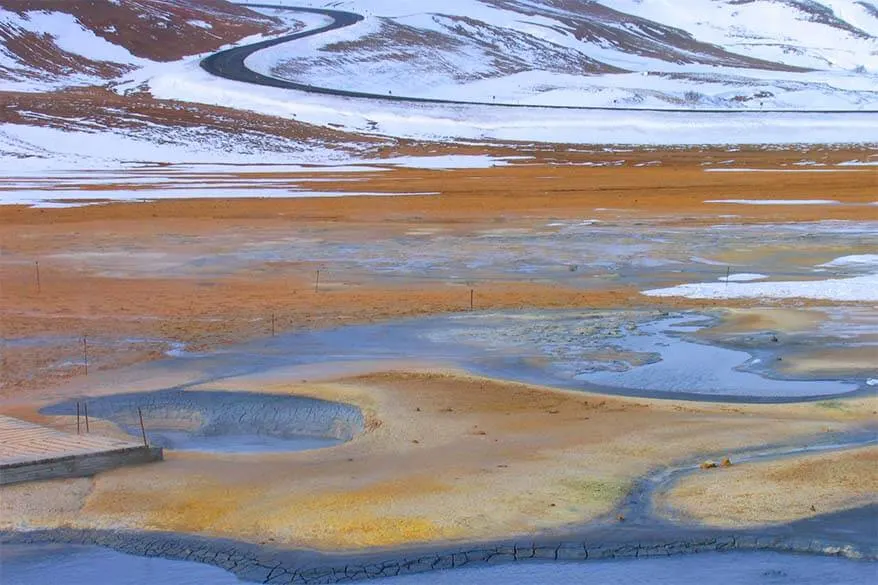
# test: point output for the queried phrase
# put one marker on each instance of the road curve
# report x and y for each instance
(230, 64)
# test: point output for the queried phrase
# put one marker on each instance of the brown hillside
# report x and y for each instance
(161, 30)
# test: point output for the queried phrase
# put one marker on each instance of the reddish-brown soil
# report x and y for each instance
(206, 310)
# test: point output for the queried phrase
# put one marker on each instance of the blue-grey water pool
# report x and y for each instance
(736, 568)
(91, 565)
(647, 353)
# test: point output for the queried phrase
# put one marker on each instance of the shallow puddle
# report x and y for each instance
(627, 352)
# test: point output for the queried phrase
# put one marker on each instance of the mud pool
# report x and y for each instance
(642, 353)
(226, 422)
(86, 565)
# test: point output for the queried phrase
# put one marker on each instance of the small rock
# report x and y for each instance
(726, 462)
(708, 465)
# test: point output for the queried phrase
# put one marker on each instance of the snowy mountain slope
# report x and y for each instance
(622, 54)
(831, 34)
(49, 44)
(98, 128)
(796, 54)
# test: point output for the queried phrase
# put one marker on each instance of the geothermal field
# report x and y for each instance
(475, 291)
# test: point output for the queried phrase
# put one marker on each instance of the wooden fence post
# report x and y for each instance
(142, 429)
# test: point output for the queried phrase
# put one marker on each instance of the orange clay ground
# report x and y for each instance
(445, 456)
(506, 459)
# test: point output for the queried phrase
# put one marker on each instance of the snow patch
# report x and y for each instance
(73, 37)
(774, 201)
(61, 199)
(742, 170)
(857, 260)
(742, 277)
(861, 288)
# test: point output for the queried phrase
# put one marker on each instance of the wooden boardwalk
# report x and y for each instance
(29, 451)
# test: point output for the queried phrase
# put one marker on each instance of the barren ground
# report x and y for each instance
(760, 493)
(504, 459)
(445, 456)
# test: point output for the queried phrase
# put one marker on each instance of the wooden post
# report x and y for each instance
(77, 418)
(39, 285)
(471, 299)
(272, 324)
(85, 352)
(728, 274)
(142, 429)
(317, 282)
(85, 405)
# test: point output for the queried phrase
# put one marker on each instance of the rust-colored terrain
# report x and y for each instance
(90, 286)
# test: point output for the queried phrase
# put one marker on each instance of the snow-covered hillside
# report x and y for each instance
(761, 54)
(51, 44)
(630, 55)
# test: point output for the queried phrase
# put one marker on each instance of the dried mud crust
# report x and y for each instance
(270, 564)
(215, 414)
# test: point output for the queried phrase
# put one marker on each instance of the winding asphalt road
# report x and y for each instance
(230, 64)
